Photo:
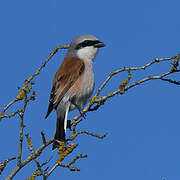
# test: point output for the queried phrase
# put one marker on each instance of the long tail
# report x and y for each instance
(61, 125)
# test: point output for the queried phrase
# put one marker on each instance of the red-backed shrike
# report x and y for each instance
(73, 83)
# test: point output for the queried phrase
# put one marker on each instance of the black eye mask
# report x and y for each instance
(87, 43)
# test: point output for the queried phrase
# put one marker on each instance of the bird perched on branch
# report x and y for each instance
(73, 83)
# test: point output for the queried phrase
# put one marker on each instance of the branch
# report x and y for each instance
(30, 158)
(156, 60)
(68, 165)
(95, 103)
(4, 164)
(39, 171)
(43, 137)
(21, 114)
(100, 101)
(64, 151)
(75, 134)
(27, 86)
(171, 81)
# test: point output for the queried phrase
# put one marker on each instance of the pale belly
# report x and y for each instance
(86, 90)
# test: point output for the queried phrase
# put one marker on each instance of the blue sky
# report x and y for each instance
(143, 124)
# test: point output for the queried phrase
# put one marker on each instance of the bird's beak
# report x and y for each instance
(99, 45)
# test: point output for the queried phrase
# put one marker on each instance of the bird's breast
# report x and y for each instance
(84, 85)
(87, 85)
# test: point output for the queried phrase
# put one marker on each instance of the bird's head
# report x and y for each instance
(85, 47)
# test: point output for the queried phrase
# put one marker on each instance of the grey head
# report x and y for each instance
(84, 47)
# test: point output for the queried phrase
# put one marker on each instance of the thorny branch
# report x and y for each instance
(94, 104)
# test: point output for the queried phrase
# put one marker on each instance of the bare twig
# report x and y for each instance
(171, 81)
(64, 151)
(75, 134)
(72, 162)
(43, 137)
(51, 170)
(30, 146)
(21, 114)
(67, 165)
(131, 69)
(39, 172)
(4, 164)
(30, 158)
(28, 82)
(100, 101)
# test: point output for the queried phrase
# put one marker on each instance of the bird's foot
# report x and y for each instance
(57, 144)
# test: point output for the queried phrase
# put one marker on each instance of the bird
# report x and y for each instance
(73, 83)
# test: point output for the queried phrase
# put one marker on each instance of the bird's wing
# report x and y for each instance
(68, 73)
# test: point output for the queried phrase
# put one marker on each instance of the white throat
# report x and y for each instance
(87, 53)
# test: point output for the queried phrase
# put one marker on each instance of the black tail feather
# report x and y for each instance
(60, 131)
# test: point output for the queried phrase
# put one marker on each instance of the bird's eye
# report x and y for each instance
(87, 43)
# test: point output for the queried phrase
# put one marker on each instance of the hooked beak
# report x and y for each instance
(99, 45)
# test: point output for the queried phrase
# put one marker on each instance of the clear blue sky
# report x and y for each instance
(143, 124)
